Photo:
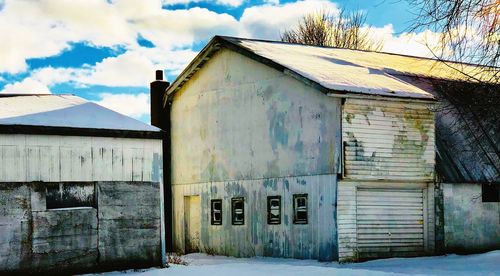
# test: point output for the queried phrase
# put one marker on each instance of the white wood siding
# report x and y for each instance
(350, 217)
(388, 140)
(390, 222)
(51, 158)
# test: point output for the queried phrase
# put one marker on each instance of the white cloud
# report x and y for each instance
(35, 29)
(134, 105)
(132, 68)
(180, 28)
(421, 44)
(269, 20)
(38, 29)
(232, 3)
(28, 85)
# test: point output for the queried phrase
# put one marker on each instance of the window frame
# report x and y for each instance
(212, 212)
(269, 218)
(235, 200)
(488, 191)
(296, 220)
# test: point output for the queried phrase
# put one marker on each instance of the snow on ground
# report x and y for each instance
(201, 264)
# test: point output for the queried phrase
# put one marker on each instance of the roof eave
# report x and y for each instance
(75, 131)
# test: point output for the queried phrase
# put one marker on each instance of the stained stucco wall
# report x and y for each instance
(470, 225)
(237, 126)
(121, 176)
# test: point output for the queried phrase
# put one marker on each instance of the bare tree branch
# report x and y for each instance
(470, 33)
(324, 28)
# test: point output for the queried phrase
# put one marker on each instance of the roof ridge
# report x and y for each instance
(228, 38)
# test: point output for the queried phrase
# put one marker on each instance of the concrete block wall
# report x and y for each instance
(470, 225)
(122, 230)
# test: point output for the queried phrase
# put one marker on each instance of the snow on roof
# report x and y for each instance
(63, 111)
(336, 69)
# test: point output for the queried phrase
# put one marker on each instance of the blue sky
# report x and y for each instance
(107, 51)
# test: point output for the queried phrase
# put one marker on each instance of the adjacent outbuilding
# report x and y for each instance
(81, 186)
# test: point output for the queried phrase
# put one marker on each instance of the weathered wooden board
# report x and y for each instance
(388, 140)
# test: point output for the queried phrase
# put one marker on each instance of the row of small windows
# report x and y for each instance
(273, 210)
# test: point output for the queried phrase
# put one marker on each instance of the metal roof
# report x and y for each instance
(63, 111)
(335, 70)
(467, 130)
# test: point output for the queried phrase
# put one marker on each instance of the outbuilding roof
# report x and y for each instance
(335, 70)
(20, 112)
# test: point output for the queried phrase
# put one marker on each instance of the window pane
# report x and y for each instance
(216, 212)
(300, 209)
(238, 211)
(301, 215)
(274, 210)
(490, 192)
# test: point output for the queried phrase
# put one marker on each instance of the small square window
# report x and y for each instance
(300, 209)
(238, 210)
(490, 192)
(274, 210)
(216, 212)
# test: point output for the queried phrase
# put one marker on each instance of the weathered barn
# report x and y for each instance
(299, 151)
(80, 186)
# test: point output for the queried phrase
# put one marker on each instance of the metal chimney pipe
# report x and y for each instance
(158, 87)
(159, 75)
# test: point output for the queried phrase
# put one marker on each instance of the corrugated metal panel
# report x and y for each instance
(388, 140)
(390, 222)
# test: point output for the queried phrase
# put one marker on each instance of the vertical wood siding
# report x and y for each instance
(315, 240)
(25, 158)
(388, 140)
